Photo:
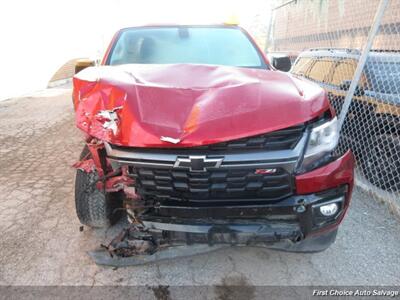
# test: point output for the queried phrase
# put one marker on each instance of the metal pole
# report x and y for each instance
(284, 4)
(361, 62)
(269, 42)
(270, 37)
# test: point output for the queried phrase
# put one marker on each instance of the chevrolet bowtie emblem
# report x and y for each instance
(197, 163)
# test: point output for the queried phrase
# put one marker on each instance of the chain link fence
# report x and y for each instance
(352, 50)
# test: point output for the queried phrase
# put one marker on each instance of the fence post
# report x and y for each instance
(268, 44)
(361, 62)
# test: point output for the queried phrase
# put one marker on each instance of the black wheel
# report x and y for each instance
(93, 207)
(381, 166)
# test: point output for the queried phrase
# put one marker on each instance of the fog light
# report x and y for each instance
(329, 209)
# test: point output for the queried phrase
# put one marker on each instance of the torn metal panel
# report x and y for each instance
(162, 106)
(86, 165)
(133, 241)
(170, 140)
(115, 183)
(94, 146)
(110, 119)
(102, 257)
(136, 245)
(109, 180)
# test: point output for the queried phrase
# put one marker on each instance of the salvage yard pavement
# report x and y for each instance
(41, 242)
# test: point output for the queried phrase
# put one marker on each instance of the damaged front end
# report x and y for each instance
(217, 207)
(195, 169)
(135, 244)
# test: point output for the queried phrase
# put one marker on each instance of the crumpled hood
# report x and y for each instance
(137, 105)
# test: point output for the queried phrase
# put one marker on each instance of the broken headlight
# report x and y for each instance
(322, 141)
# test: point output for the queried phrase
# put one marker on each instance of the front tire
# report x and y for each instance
(94, 207)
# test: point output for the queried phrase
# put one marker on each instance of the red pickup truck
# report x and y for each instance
(195, 136)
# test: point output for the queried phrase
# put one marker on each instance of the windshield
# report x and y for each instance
(196, 45)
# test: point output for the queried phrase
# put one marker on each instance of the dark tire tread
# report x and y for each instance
(93, 207)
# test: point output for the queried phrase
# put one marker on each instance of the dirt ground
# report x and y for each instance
(41, 243)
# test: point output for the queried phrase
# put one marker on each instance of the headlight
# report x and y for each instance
(322, 141)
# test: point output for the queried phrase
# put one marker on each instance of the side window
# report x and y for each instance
(383, 76)
(301, 66)
(344, 71)
(320, 70)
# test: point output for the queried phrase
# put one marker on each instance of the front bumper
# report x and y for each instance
(295, 219)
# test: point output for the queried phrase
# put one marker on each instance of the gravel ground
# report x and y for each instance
(41, 243)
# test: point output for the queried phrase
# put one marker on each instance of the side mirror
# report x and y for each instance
(83, 64)
(282, 63)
